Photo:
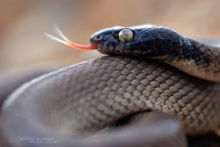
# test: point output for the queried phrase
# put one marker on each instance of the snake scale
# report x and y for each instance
(149, 69)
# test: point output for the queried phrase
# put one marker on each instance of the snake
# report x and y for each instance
(148, 70)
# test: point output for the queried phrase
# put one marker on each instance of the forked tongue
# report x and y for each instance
(66, 41)
(82, 47)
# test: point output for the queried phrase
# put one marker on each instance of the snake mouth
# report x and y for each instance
(105, 49)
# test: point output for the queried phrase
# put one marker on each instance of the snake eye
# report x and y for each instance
(125, 35)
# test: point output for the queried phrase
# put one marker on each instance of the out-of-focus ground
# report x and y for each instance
(22, 23)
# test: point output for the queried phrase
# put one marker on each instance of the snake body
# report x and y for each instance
(91, 95)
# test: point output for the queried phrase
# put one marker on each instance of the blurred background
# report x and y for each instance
(23, 22)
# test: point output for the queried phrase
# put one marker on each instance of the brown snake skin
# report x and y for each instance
(91, 95)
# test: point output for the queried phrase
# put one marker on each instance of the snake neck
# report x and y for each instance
(199, 60)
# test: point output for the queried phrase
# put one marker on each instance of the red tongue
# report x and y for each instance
(83, 47)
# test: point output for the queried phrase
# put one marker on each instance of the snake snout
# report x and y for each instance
(96, 39)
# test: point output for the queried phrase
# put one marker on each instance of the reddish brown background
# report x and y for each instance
(22, 23)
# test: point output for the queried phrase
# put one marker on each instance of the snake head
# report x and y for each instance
(144, 40)
(141, 41)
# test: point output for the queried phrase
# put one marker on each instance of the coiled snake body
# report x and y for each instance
(93, 94)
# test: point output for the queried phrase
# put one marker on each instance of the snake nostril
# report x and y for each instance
(98, 37)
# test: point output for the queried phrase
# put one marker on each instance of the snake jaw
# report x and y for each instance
(67, 42)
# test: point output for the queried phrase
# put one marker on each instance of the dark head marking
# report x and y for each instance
(145, 40)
